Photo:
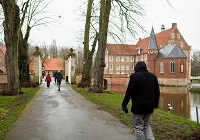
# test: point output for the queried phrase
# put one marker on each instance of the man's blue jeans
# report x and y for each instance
(141, 127)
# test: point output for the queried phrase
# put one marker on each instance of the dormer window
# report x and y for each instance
(139, 49)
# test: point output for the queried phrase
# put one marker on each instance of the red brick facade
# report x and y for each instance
(173, 69)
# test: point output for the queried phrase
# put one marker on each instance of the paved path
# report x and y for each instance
(66, 115)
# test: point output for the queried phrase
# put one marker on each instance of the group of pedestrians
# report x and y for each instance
(58, 78)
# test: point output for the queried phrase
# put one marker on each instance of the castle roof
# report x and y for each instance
(53, 64)
(159, 37)
(171, 51)
(121, 49)
(152, 41)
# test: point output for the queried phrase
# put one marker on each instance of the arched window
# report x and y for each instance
(181, 67)
(161, 67)
(172, 67)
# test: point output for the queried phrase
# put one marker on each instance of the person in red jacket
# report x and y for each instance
(48, 80)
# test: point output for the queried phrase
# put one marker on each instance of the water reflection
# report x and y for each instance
(180, 98)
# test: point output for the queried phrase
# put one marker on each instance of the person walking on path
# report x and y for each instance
(59, 78)
(48, 80)
(55, 76)
(143, 90)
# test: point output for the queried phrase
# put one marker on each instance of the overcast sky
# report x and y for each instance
(68, 27)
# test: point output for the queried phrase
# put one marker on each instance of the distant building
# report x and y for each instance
(51, 65)
(2, 58)
(166, 54)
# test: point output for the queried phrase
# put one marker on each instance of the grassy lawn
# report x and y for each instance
(11, 107)
(165, 126)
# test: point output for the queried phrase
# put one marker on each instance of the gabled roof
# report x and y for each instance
(160, 38)
(121, 49)
(171, 51)
(54, 64)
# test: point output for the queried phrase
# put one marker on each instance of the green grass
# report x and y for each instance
(11, 107)
(195, 90)
(164, 125)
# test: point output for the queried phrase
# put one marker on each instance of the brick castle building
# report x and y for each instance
(166, 54)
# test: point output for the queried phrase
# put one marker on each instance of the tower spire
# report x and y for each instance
(152, 41)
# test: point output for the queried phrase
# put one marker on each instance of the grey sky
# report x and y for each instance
(68, 27)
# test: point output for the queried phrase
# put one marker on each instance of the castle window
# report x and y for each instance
(118, 58)
(172, 67)
(118, 67)
(122, 67)
(110, 58)
(127, 67)
(181, 44)
(145, 57)
(127, 58)
(110, 67)
(161, 67)
(181, 67)
(172, 35)
(141, 57)
(178, 35)
(132, 58)
(122, 58)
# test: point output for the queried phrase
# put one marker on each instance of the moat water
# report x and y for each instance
(183, 102)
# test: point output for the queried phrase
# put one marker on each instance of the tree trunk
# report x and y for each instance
(86, 74)
(100, 58)
(11, 28)
(24, 59)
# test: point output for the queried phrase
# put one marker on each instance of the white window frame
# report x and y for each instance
(122, 58)
(132, 58)
(110, 57)
(117, 67)
(117, 58)
(127, 58)
(161, 67)
(110, 67)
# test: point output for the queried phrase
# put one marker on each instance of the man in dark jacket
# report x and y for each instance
(59, 78)
(143, 90)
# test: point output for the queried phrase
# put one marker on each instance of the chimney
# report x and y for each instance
(162, 27)
(174, 25)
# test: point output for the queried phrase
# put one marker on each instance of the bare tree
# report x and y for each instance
(33, 14)
(99, 61)
(195, 63)
(88, 55)
(11, 26)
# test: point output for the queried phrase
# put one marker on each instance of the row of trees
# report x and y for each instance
(103, 17)
(19, 17)
(195, 63)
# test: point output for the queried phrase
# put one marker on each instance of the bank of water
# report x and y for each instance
(183, 102)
